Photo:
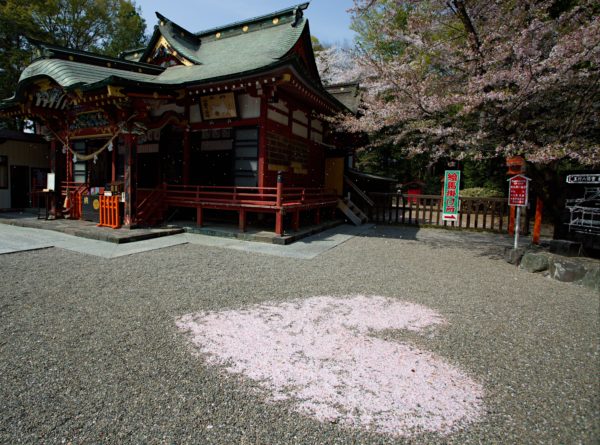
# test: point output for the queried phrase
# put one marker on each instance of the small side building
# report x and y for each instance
(24, 165)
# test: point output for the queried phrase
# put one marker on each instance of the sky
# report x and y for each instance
(329, 20)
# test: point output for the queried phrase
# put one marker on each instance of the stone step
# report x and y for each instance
(353, 217)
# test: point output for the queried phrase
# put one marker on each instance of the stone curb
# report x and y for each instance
(579, 270)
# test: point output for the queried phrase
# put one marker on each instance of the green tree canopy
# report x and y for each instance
(103, 26)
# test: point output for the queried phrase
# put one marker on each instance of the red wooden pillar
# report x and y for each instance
(199, 216)
(262, 141)
(242, 220)
(113, 163)
(130, 181)
(279, 204)
(53, 156)
(511, 221)
(53, 196)
(537, 226)
(186, 144)
(69, 166)
(186, 156)
(279, 222)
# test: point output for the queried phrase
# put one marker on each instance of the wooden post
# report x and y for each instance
(53, 156)
(199, 216)
(242, 220)
(53, 198)
(296, 220)
(113, 163)
(262, 141)
(186, 156)
(511, 221)
(279, 189)
(537, 227)
(69, 165)
(279, 202)
(130, 181)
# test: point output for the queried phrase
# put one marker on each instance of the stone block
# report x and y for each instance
(591, 279)
(565, 247)
(535, 261)
(513, 256)
(566, 270)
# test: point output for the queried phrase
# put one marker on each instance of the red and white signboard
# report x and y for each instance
(518, 191)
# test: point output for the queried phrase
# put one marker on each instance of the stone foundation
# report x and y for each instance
(571, 269)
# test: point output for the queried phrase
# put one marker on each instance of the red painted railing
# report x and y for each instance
(266, 197)
(151, 207)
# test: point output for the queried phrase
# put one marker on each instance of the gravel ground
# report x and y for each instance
(90, 351)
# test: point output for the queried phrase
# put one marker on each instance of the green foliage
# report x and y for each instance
(481, 192)
(103, 26)
(316, 44)
(127, 30)
(371, 37)
(488, 173)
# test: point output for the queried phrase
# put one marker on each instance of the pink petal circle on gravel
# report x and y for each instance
(320, 355)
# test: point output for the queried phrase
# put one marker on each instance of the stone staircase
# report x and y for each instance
(352, 212)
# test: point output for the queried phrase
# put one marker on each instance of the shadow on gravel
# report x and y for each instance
(393, 232)
(485, 245)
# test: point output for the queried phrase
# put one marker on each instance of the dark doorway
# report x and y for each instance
(19, 186)
(149, 170)
(212, 157)
(224, 157)
(171, 155)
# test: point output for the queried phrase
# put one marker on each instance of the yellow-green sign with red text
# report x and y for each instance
(450, 197)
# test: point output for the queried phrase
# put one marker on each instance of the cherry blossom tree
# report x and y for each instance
(337, 65)
(481, 78)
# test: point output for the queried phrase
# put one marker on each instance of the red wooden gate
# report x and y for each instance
(109, 212)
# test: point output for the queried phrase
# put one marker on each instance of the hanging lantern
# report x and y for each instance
(64, 150)
(95, 158)
(110, 146)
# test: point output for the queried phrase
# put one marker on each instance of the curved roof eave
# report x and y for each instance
(301, 6)
(203, 48)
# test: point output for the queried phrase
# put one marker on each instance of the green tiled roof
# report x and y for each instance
(236, 54)
(236, 49)
(70, 74)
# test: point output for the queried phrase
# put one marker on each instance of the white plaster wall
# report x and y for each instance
(167, 107)
(31, 154)
(301, 116)
(277, 117)
(195, 114)
(300, 130)
(249, 106)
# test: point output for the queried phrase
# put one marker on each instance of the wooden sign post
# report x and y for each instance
(517, 196)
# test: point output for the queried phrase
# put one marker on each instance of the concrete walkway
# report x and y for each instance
(86, 238)
(17, 239)
(306, 248)
(85, 229)
(90, 230)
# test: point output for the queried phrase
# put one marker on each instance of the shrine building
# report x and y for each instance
(230, 120)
